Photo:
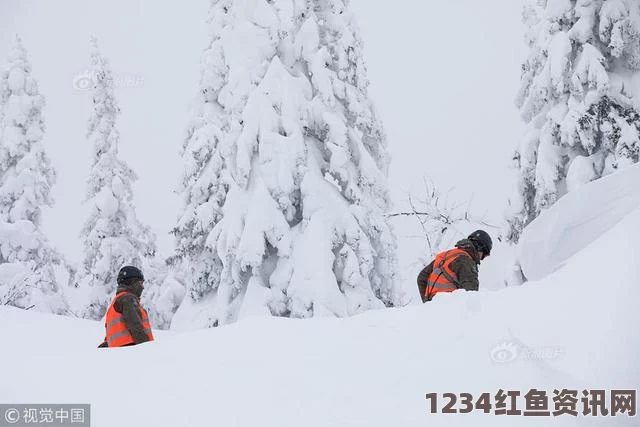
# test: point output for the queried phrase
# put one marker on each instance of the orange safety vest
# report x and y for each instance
(442, 278)
(117, 333)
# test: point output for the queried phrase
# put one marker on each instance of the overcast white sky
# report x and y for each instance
(443, 76)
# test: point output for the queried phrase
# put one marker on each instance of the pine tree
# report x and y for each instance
(286, 170)
(27, 259)
(582, 120)
(112, 235)
(164, 291)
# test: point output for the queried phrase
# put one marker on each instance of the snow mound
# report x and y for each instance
(576, 220)
(564, 331)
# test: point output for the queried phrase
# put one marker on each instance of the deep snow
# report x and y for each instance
(574, 328)
(578, 218)
(577, 322)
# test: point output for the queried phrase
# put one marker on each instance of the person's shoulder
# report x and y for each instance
(464, 259)
(125, 299)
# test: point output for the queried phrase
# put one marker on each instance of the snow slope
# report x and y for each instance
(577, 219)
(569, 329)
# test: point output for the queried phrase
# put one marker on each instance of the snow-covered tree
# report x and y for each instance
(112, 235)
(164, 291)
(26, 178)
(286, 170)
(577, 98)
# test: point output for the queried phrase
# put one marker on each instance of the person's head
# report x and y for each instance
(482, 242)
(131, 277)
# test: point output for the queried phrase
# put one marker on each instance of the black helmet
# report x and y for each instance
(129, 272)
(482, 241)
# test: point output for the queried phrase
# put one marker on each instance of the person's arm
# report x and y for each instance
(422, 280)
(128, 306)
(467, 271)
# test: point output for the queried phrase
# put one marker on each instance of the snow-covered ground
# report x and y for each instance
(574, 328)
(443, 78)
(580, 217)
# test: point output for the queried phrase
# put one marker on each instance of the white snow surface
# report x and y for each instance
(576, 220)
(369, 370)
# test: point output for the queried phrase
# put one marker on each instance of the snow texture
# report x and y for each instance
(285, 188)
(549, 334)
(164, 291)
(580, 217)
(584, 121)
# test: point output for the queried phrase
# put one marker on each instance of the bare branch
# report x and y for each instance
(422, 223)
(438, 214)
(16, 290)
(408, 214)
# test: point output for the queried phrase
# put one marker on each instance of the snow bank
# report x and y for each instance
(576, 220)
(565, 331)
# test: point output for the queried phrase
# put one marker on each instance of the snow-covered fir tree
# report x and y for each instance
(27, 259)
(583, 121)
(112, 235)
(164, 291)
(285, 184)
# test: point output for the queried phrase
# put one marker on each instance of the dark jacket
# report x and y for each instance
(129, 306)
(465, 268)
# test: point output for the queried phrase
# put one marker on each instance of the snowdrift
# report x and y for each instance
(573, 329)
(577, 219)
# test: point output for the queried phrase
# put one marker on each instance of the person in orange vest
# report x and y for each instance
(456, 268)
(127, 323)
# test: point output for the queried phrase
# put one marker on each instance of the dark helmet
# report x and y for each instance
(482, 241)
(129, 272)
